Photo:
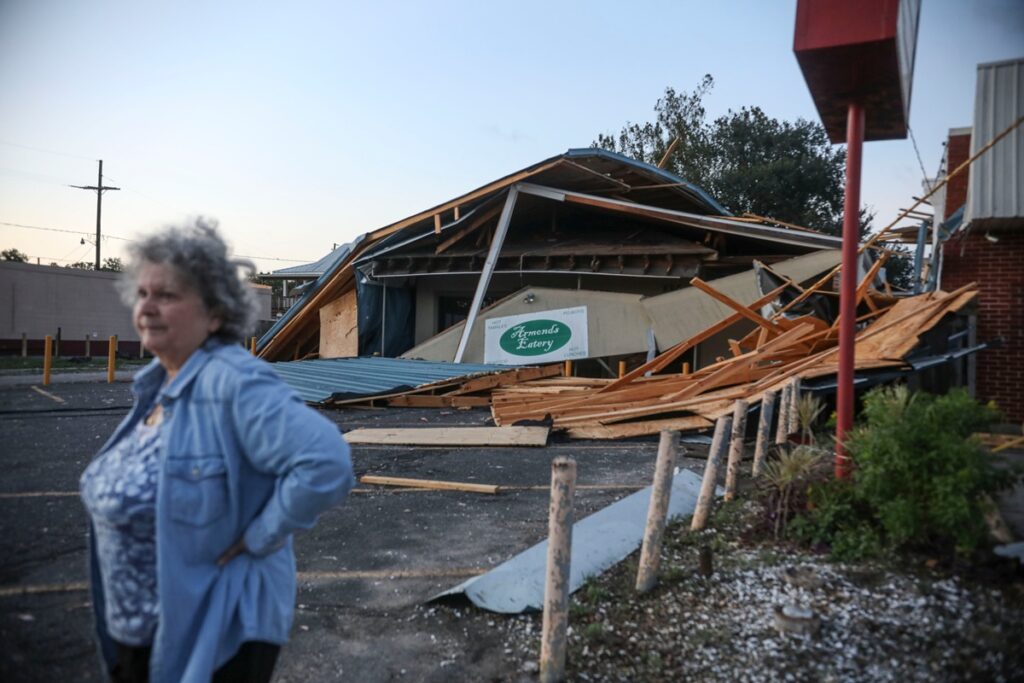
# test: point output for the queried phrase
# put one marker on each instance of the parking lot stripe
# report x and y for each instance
(47, 394)
(353, 575)
(38, 494)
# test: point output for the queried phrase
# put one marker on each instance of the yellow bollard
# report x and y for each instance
(111, 358)
(47, 359)
(252, 345)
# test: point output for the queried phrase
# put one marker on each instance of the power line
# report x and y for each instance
(46, 151)
(126, 239)
(73, 232)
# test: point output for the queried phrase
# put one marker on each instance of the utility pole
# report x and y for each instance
(99, 188)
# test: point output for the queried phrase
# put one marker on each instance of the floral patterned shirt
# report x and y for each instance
(119, 492)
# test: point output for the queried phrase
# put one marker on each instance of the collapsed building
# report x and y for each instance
(587, 229)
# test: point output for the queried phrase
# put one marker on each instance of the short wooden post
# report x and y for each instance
(24, 345)
(686, 367)
(47, 359)
(739, 430)
(622, 368)
(87, 347)
(785, 403)
(707, 487)
(567, 369)
(764, 427)
(111, 358)
(657, 512)
(252, 345)
(556, 587)
(794, 406)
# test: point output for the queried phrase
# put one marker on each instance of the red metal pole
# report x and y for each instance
(848, 285)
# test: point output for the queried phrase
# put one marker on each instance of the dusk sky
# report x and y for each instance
(300, 125)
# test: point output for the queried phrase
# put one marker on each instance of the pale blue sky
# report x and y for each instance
(302, 124)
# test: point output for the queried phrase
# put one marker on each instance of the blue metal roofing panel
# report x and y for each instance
(318, 267)
(316, 381)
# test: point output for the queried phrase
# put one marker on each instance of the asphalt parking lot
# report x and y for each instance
(365, 570)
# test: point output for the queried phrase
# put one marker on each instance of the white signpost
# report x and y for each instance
(535, 338)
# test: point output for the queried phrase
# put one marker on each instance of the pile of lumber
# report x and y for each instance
(779, 350)
(457, 392)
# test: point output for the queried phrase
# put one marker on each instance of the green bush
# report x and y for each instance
(919, 479)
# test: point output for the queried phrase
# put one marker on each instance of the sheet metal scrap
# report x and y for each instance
(598, 542)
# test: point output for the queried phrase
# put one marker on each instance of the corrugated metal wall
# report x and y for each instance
(996, 185)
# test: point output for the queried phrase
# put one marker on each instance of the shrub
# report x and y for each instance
(920, 478)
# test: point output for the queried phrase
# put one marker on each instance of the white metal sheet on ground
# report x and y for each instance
(598, 542)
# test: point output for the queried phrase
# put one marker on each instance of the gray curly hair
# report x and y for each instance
(200, 256)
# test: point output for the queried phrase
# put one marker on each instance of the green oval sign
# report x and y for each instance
(535, 337)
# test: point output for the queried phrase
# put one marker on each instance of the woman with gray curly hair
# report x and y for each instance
(194, 499)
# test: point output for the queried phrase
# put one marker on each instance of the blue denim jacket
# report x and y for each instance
(243, 456)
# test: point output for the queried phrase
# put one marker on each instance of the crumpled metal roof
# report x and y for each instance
(318, 381)
(598, 542)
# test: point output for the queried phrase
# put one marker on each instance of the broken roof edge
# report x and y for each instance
(298, 308)
(685, 187)
(668, 176)
(311, 291)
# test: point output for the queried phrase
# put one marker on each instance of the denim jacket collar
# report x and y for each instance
(150, 378)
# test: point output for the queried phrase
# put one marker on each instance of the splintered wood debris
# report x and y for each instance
(777, 351)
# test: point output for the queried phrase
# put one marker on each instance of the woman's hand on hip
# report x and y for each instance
(237, 549)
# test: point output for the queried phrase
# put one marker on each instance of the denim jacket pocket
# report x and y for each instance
(197, 489)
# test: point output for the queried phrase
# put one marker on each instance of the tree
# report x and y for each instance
(112, 265)
(13, 255)
(81, 265)
(746, 160)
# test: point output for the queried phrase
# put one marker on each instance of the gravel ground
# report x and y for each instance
(874, 622)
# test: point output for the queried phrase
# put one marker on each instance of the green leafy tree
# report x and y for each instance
(81, 265)
(747, 160)
(112, 265)
(13, 255)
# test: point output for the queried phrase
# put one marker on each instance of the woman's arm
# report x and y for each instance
(283, 436)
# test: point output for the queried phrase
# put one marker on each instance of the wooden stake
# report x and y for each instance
(428, 484)
(622, 368)
(794, 406)
(686, 367)
(47, 359)
(785, 403)
(657, 512)
(764, 427)
(252, 345)
(707, 487)
(567, 369)
(739, 427)
(112, 358)
(556, 587)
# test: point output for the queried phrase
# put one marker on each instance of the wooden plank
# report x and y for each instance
(437, 224)
(742, 310)
(431, 484)
(626, 430)
(339, 327)
(473, 224)
(451, 436)
(438, 401)
(862, 287)
(672, 354)
(516, 376)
